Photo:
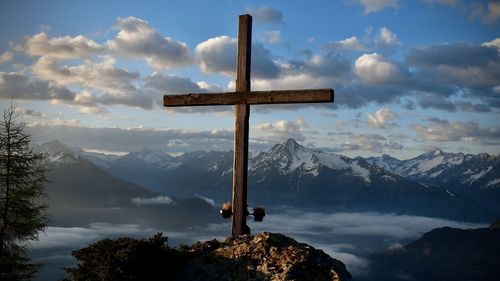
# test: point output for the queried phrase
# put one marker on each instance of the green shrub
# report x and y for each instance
(128, 259)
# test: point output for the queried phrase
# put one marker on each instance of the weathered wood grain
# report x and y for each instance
(251, 97)
(242, 116)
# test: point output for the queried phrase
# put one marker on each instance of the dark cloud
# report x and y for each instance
(328, 65)
(363, 141)
(457, 55)
(17, 86)
(266, 15)
(437, 120)
(169, 84)
(218, 55)
(457, 64)
(137, 98)
(159, 85)
(471, 107)
(117, 139)
(432, 100)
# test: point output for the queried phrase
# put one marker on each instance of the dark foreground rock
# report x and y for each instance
(265, 256)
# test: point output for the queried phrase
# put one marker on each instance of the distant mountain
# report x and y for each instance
(80, 192)
(290, 174)
(437, 167)
(476, 177)
(443, 254)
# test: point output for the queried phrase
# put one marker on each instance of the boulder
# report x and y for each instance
(265, 256)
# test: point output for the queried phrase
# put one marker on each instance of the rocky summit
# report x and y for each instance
(265, 256)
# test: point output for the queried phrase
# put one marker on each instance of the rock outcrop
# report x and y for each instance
(265, 256)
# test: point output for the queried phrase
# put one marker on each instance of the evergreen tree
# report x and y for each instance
(22, 178)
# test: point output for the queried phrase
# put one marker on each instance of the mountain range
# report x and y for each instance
(80, 193)
(450, 185)
(475, 177)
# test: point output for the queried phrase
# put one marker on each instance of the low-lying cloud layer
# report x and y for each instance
(346, 236)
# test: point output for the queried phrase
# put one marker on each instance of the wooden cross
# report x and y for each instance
(242, 99)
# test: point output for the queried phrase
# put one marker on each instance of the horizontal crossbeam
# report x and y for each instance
(252, 97)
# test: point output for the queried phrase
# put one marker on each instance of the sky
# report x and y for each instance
(409, 76)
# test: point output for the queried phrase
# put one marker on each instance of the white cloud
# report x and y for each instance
(270, 37)
(115, 85)
(351, 43)
(85, 98)
(356, 224)
(76, 237)
(66, 123)
(382, 116)
(209, 87)
(493, 43)
(217, 55)
(60, 47)
(30, 112)
(103, 76)
(459, 131)
(386, 37)
(274, 132)
(158, 200)
(6, 57)
(374, 69)
(335, 233)
(137, 39)
(372, 6)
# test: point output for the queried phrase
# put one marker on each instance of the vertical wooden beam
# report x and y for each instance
(242, 115)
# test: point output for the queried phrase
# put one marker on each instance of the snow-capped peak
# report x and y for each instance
(151, 156)
(289, 156)
(58, 153)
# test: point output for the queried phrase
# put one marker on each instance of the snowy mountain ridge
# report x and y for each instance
(292, 156)
(437, 168)
(293, 175)
(432, 168)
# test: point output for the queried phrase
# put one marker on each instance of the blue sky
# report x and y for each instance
(408, 76)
